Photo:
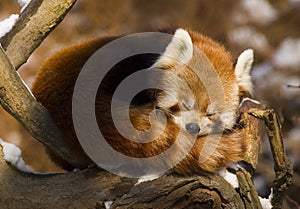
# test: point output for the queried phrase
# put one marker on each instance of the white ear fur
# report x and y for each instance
(180, 48)
(242, 70)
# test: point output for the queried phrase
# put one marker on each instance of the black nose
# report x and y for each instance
(192, 128)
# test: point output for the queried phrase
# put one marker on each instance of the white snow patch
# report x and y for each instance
(266, 202)
(75, 170)
(7, 24)
(107, 204)
(260, 12)
(23, 4)
(229, 177)
(148, 178)
(247, 36)
(288, 54)
(13, 155)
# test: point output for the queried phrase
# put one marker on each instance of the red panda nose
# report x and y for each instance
(192, 128)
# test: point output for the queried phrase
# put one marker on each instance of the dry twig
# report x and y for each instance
(282, 165)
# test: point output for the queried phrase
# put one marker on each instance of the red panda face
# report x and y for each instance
(182, 108)
(202, 96)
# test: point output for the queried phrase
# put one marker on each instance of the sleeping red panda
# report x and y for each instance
(191, 107)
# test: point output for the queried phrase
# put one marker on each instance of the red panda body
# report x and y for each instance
(56, 79)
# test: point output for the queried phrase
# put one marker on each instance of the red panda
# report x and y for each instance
(199, 105)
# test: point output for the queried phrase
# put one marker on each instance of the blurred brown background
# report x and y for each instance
(271, 28)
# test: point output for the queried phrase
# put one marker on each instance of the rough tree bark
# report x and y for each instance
(90, 188)
(35, 23)
(18, 101)
(282, 165)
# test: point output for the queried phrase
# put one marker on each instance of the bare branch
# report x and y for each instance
(252, 130)
(292, 86)
(247, 190)
(20, 103)
(90, 188)
(282, 165)
(35, 23)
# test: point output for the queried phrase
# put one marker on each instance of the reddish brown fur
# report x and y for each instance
(220, 58)
(54, 84)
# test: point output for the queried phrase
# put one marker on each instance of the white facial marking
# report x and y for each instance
(179, 121)
(228, 119)
(205, 126)
(189, 104)
(211, 109)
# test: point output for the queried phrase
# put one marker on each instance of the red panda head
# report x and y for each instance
(201, 86)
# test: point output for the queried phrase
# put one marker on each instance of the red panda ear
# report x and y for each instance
(242, 70)
(179, 50)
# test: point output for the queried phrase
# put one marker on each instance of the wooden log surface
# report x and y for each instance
(37, 20)
(92, 188)
(18, 101)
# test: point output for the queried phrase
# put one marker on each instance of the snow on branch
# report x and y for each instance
(13, 155)
(18, 101)
(7, 24)
(37, 20)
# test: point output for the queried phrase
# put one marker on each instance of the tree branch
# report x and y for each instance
(90, 188)
(282, 165)
(18, 101)
(35, 23)
(37, 20)
(247, 190)
(252, 130)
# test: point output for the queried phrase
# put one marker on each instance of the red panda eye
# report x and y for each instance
(210, 114)
(186, 106)
(175, 108)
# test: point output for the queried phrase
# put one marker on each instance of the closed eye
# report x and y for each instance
(174, 109)
(210, 114)
(187, 107)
